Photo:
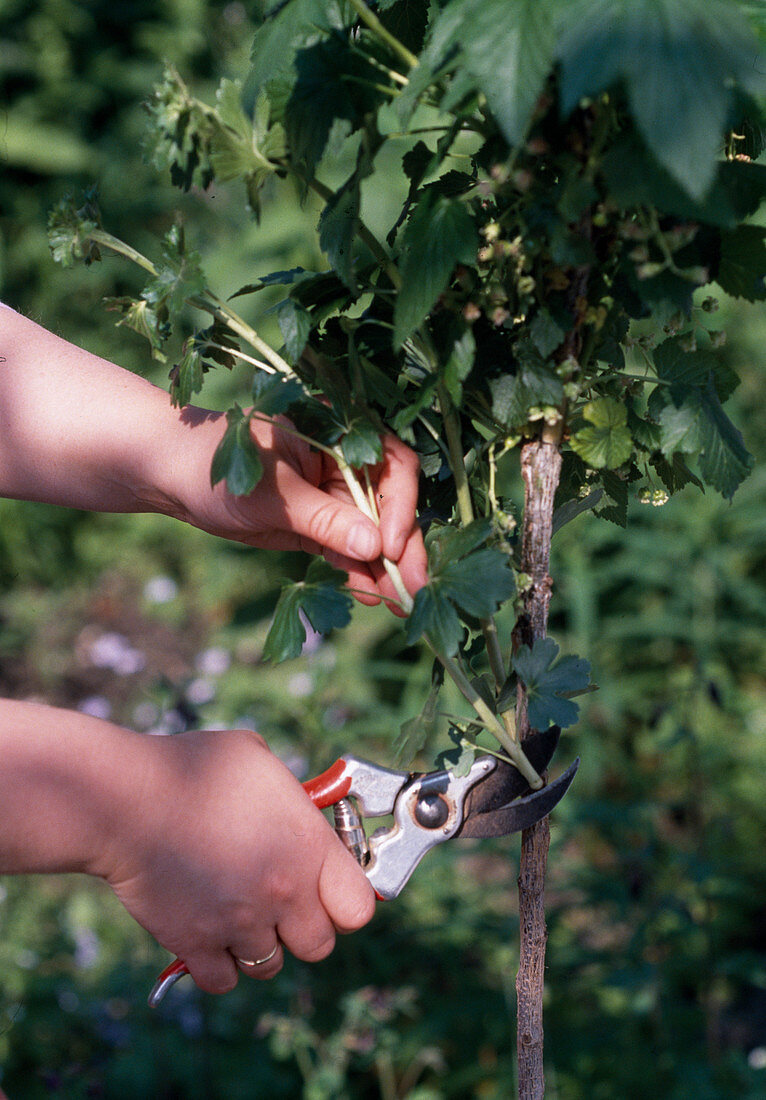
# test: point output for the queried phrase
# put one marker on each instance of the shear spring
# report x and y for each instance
(348, 826)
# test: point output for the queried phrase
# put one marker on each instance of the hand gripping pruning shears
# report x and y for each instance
(492, 799)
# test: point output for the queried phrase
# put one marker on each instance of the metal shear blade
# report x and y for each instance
(521, 813)
(506, 782)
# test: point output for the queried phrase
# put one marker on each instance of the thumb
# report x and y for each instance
(331, 523)
(345, 891)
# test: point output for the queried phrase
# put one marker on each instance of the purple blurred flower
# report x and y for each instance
(160, 590)
(114, 651)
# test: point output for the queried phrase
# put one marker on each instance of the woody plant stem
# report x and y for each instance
(541, 468)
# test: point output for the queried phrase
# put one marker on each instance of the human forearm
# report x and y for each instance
(77, 430)
(65, 785)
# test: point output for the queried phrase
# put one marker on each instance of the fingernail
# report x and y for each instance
(362, 542)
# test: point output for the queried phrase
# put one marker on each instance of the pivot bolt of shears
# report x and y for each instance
(431, 811)
(348, 826)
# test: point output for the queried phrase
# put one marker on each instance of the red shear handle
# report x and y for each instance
(329, 787)
(325, 790)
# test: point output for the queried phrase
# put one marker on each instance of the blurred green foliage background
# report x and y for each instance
(657, 890)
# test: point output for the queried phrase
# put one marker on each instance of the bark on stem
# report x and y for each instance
(541, 468)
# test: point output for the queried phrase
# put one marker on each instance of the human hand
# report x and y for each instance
(86, 434)
(303, 503)
(225, 857)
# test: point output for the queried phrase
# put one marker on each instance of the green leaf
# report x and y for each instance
(458, 760)
(295, 326)
(180, 132)
(446, 544)
(636, 178)
(548, 681)
(409, 413)
(439, 235)
(742, 270)
(205, 349)
(680, 429)
(333, 83)
(241, 147)
(508, 50)
(434, 615)
(613, 506)
(607, 444)
(725, 461)
(676, 59)
(143, 319)
(287, 633)
(285, 29)
(691, 418)
(474, 581)
(694, 422)
(321, 598)
(684, 369)
(69, 229)
(326, 603)
(459, 365)
(337, 229)
(534, 384)
(361, 444)
(187, 375)
(434, 60)
(479, 583)
(179, 275)
(236, 459)
(415, 732)
(504, 51)
(546, 333)
(675, 474)
(570, 509)
(276, 278)
(274, 394)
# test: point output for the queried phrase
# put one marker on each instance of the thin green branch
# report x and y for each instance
(384, 88)
(465, 741)
(494, 651)
(237, 354)
(224, 313)
(100, 236)
(455, 447)
(359, 497)
(380, 32)
(209, 304)
(465, 508)
(392, 74)
(290, 430)
(365, 235)
(375, 595)
(488, 718)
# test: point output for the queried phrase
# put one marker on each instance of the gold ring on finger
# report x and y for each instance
(258, 962)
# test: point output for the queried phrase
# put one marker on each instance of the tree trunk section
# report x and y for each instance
(541, 468)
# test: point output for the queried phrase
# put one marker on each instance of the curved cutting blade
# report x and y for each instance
(506, 782)
(522, 813)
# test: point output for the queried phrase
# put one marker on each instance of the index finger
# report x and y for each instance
(397, 493)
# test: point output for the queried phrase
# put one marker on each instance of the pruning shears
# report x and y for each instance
(492, 799)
